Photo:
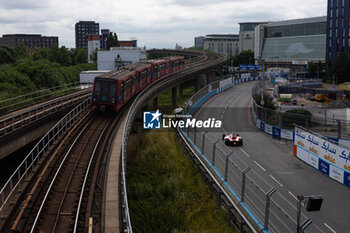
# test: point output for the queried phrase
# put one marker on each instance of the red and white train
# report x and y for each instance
(117, 87)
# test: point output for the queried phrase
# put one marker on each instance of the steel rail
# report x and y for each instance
(85, 180)
(56, 174)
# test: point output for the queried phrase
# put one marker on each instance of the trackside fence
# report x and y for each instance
(265, 208)
(14, 103)
(20, 176)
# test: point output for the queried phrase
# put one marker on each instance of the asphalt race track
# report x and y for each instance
(273, 162)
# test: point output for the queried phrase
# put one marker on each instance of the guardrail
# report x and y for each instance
(268, 208)
(135, 107)
(35, 113)
(20, 175)
(30, 98)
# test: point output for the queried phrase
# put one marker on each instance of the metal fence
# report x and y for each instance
(18, 120)
(329, 122)
(270, 208)
(20, 176)
(30, 98)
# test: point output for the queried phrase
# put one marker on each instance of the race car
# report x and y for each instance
(232, 139)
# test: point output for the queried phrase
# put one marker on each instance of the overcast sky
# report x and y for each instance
(155, 24)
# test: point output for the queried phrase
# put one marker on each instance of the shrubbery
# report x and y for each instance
(21, 73)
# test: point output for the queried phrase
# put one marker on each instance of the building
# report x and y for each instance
(30, 40)
(337, 28)
(247, 35)
(199, 42)
(104, 38)
(93, 44)
(292, 42)
(227, 44)
(128, 43)
(82, 29)
(118, 56)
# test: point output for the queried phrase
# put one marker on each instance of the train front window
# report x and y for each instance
(112, 90)
(97, 90)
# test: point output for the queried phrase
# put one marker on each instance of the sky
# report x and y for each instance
(155, 24)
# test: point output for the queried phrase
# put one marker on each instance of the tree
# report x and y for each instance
(59, 55)
(244, 57)
(6, 55)
(112, 40)
(78, 56)
(93, 57)
(20, 51)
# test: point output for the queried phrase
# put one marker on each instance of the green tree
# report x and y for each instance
(6, 55)
(93, 57)
(20, 51)
(78, 56)
(60, 55)
(112, 40)
(244, 57)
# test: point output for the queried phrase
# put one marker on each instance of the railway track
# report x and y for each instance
(19, 119)
(60, 197)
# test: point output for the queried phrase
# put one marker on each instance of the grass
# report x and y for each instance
(164, 99)
(165, 193)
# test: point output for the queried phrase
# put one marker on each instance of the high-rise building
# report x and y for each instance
(247, 35)
(30, 40)
(82, 30)
(337, 39)
(104, 38)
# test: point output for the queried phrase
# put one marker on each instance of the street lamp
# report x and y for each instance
(313, 203)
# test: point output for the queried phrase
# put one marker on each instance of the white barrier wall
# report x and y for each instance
(327, 157)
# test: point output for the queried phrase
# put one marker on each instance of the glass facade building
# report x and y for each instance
(299, 39)
(338, 24)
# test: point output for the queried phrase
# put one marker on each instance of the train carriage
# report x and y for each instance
(115, 88)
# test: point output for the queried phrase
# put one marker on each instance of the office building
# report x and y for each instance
(247, 35)
(337, 29)
(199, 42)
(104, 38)
(227, 44)
(82, 30)
(292, 42)
(93, 45)
(30, 40)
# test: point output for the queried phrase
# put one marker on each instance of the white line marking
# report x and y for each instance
(245, 152)
(295, 198)
(262, 168)
(276, 180)
(292, 195)
(329, 228)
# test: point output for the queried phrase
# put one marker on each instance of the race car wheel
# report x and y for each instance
(241, 142)
(227, 142)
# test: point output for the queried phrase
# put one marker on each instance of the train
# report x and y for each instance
(115, 88)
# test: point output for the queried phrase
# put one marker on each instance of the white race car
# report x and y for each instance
(232, 139)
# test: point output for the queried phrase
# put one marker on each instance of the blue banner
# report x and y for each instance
(276, 132)
(347, 179)
(323, 167)
(262, 126)
(250, 67)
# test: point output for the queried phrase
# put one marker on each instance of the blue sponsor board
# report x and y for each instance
(347, 179)
(276, 132)
(262, 126)
(250, 67)
(323, 167)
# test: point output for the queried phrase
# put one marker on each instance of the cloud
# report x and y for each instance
(154, 23)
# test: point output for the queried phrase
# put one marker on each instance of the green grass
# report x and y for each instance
(164, 99)
(165, 193)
